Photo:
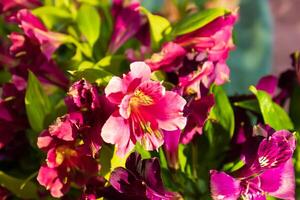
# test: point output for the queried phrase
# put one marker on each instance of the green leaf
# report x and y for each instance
(144, 153)
(37, 103)
(112, 63)
(158, 75)
(273, 114)
(249, 105)
(4, 76)
(197, 20)
(93, 74)
(52, 16)
(21, 188)
(159, 27)
(89, 23)
(295, 107)
(222, 111)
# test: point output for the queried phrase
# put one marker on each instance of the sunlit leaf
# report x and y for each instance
(159, 26)
(197, 20)
(37, 103)
(272, 113)
(21, 188)
(89, 23)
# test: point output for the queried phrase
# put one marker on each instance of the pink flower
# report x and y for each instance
(67, 159)
(12, 6)
(29, 55)
(269, 171)
(127, 23)
(83, 95)
(144, 110)
(168, 58)
(35, 30)
(198, 57)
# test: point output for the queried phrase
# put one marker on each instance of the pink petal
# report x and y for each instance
(222, 73)
(52, 180)
(140, 70)
(45, 140)
(268, 84)
(115, 90)
(280, 182)
(168, 112)
(116, 131)
(223, 186)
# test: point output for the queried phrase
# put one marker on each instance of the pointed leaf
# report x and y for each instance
(89, 23)
(37, 103)
(197, 20)
(272, 113)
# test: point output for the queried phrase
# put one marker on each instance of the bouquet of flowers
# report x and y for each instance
(106, 100)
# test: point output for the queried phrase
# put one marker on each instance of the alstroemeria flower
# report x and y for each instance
(35, 30)
(83, 95)
(28, 55)
(200, 56)
(73, 141)
(13, 119)
(13, 6)
(168, 58)
(197, 113)
(127, 22)
(140, 179)
(270, 172)
(145, 108)
(67, 161)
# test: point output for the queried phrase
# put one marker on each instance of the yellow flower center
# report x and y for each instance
(63, 153)
(140, 98)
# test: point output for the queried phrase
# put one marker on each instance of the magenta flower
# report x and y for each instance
(36, 31)
(140, 180)
(67, 160)
(169, 58)
(270, 172)
(83, 95)
(172, 139)
(144, 110)
(13, 119)
(198, 57)
(13, 6)
(73, 141)
(127, 22)
(29, 56)
(197, 113)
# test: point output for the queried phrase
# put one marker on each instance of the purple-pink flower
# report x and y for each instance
(269, 172)
(73, 141)
(141, 179)
(83, 95)
(127, 23)
(12, 6)
(199, 57)
(33, 49)
(13, 119)
(35, 30)
(67, 159)
(144, 109)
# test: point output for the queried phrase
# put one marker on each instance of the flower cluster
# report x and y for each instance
(267, 171)
(104, 99)
(72, 141)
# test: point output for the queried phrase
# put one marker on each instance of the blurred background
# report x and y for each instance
(267, 32)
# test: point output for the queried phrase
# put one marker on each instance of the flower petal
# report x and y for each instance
(280, 182)
(168, 112)
(223, 186)
(116, 131)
